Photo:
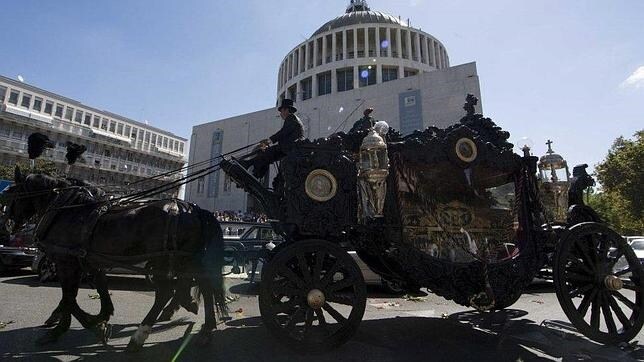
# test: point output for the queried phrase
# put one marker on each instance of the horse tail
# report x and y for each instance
(214, 260)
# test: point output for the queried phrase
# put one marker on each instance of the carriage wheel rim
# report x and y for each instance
(611, 304)
(323, 313)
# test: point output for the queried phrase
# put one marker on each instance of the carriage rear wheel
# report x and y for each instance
(312, 296)
(599, 283)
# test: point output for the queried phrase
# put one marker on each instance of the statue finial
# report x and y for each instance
(357, 5)
(550, 151)
(470, 102)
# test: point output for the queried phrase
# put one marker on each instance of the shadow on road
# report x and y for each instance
(127, 283)
(373, 291)
(468, 336)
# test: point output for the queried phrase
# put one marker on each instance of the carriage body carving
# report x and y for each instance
(461, 215)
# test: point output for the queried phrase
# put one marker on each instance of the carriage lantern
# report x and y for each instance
(373, 170)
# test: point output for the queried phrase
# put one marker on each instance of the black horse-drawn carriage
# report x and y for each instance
(454, 210)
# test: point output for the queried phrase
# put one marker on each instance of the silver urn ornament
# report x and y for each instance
(373, 170)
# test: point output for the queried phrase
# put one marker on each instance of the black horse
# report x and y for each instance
(178, 239)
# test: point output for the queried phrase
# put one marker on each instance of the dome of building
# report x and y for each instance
(359, 17)
(357, 49)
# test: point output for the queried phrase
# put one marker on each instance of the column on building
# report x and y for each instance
(355, 43)
(314, 85)
(344, 44)
(425, 50)
(324, 50)
(298, 91)
(401, 69)
(308, 55)
(417, 45)
(378, 73)
(366, 42)
(334, 47)
(377, 42)
(301, 60)
(409, 46)
(356, 79)
(389, 42)
(315, 52)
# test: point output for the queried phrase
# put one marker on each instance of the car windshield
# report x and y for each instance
(638, 244)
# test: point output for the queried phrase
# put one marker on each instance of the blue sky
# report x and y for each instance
(564, 70)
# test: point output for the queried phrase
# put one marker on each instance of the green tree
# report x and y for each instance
(621, 175)
(41, 166)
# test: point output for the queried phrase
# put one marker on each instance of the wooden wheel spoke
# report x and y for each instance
(308, 321)
(622, 272)
(625, 300)
(304, 268)
(581, 265)
(608, 315)
(292, 277)
(594, 313)
(586, 256)
(286, 290)
(328, 277)
(604, 246)
(296, 317)
(334, 313)
(581, 290)
(578, 277)
(630, 285)
(341, 299)
(618, 311)
(317, 268)
(339, 285)
(321, 320)
(585, 303)
(285, 307)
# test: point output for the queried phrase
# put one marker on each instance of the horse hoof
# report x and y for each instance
(46, 338)
(103, 331)
(133, 347)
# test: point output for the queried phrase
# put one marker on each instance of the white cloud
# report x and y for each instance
(635, 80)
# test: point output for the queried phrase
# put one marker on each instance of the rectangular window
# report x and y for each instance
(26, 100)
(324, 83)
(78, 118)
(345, 79)
(112, 126)
(49, 106)
(38, 104)
(59, 110)
(367, 75)
(165, 142)
(159, 140)
(119, 129)
(13, 97)
(181, 147)
(306, 85)
(104, 124)
(97, 121)
(3, 93)
(154, 139)
(147, 137)
(69, 111)
(134, 133)
(88, 119)
(171, 144)
(127, 131)
(389, 73)
(410, 72)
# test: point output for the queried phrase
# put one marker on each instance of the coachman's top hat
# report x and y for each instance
(287, 103)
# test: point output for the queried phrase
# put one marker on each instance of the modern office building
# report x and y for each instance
(119, 150)
(362, 58)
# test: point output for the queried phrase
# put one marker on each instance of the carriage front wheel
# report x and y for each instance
(599, 283)
(312, 296)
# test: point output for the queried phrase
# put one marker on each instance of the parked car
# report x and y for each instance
(17, 250)
(630, 239)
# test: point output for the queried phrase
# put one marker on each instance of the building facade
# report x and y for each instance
(119, 150)
(360, 59)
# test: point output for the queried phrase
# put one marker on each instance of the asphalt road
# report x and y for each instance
(393, 329)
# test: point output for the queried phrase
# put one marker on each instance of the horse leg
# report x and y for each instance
(55, 316)
(210, 322)
(68, 277)
(162, 294)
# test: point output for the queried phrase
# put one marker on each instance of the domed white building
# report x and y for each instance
(362, 58)
(357, 49)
